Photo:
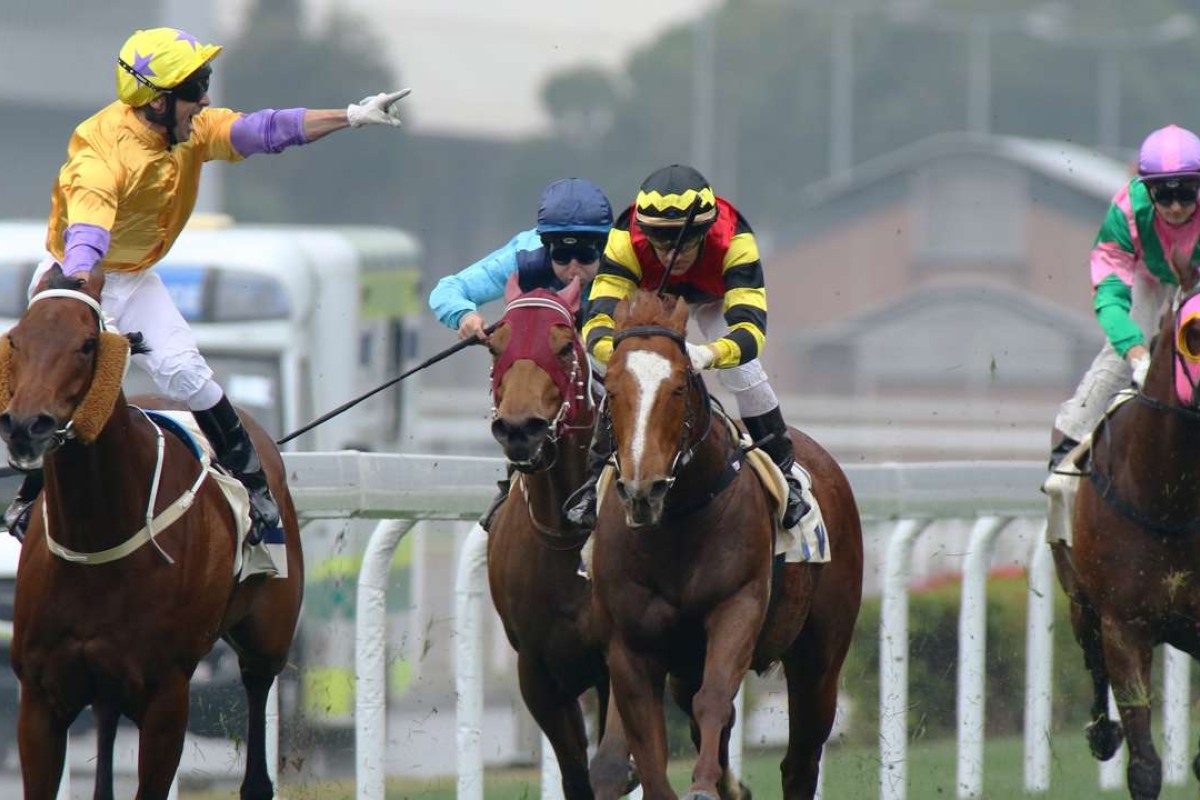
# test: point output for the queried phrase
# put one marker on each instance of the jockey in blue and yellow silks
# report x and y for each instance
(718, 272)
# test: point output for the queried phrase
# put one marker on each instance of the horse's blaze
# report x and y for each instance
(649, 370)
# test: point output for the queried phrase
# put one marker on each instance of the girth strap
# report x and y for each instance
(154, 524)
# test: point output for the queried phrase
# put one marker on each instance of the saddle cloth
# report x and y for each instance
(1063, 482)
(264, 558)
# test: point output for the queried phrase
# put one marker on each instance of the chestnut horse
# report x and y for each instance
(124, 635)
(1132, 572)
(684, 575)
(543, 420)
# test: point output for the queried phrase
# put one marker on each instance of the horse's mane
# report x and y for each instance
(648, 308)
(61, 281)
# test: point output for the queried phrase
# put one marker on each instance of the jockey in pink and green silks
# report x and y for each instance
(1151, 226)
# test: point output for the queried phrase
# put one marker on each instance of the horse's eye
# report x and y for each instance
(89, 347)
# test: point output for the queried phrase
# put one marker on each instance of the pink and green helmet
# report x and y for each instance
(1170, 152)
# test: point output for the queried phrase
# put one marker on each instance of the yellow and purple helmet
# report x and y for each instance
(155, 61)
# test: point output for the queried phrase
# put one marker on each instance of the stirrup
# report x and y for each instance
(16, 517)
(580, 507)
(797, 507)
(265, 525)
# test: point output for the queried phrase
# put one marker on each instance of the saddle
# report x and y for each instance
(263, 558)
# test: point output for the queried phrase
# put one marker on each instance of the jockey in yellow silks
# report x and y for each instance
(126, 191)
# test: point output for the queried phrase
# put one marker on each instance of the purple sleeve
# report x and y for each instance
(85, 246)
(268, 131)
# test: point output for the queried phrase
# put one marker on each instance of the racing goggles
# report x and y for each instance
(568, 249)
(1165, 193)
(664, 238)
(195, 86)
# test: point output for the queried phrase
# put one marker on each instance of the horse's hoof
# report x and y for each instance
(1104, 738)
(633, 781)
(746, 794)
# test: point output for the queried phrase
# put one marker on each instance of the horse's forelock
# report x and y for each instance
(645, 308)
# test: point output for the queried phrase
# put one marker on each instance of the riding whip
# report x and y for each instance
(449, 351)
(687, 223)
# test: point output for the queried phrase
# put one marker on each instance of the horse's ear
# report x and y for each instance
(679, 315)
(621, 313)
(94, 284)
(570, 294)
(512, 289)
(54, 273)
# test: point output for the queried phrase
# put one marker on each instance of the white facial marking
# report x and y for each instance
(649, 370)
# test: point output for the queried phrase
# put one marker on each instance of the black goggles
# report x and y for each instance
(665, 238)
(585, 252)
(1182, 192)
(195, 86)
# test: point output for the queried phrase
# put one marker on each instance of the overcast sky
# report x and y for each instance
(477, 66)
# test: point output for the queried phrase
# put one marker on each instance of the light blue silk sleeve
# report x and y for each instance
(458, 294)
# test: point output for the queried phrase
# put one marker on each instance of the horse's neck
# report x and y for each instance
(96, 493)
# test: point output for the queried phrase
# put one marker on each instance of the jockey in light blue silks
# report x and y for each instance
(573, 221)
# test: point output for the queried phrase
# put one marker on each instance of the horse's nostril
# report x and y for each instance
(659, 488)
(43, 425)
(535, 427)
(6, 424)
(622, 490)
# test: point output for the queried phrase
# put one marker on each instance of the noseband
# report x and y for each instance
(686, 447)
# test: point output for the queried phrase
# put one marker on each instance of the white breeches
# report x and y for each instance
(140, 302)
(748, 382)
(1109, 372)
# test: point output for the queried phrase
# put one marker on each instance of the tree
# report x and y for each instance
(583, 103)
(276, 65)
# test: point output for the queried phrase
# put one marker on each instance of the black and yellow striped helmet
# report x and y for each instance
(666, 198)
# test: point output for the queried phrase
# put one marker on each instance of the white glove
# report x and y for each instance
(1140, 365)
(701, 355)
(378, 109)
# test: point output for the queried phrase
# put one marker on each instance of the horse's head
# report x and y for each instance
(539, 373)
(60, 372)
(654, 402)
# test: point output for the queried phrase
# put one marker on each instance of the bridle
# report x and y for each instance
(574, 384)
(66, 433)
(698, 402)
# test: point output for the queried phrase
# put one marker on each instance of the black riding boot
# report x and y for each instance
(503, 486)
(16, 516)
(236, 453)
(779, 448)
(580, 507)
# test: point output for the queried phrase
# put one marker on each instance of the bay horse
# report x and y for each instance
(125, 635)
(683, 571)
(1133, 571)
(542, 418)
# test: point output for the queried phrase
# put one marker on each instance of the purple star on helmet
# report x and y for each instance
(141, 65)
(184, 36)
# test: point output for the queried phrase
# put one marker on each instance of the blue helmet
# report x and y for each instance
(573, 205)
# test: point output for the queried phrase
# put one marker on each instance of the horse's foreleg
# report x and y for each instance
(106, 718)
(732, 630)
(1128, 652)
(42, 743)
(637, 686)
(561, 719)
(256, 784)
(163, 725)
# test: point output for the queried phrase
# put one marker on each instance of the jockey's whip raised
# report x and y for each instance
(449, 351)
(687, 223)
